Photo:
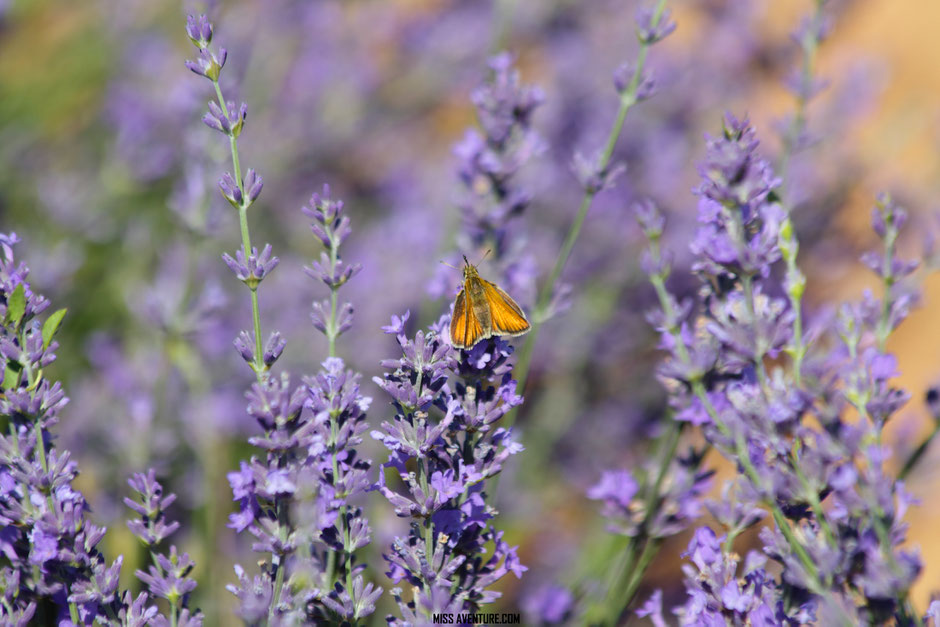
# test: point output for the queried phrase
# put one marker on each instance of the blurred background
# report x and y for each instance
(110, 179)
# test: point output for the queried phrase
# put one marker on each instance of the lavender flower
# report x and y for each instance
(168, 577)
(492, 196)
(49, 546)
(454, 454)
(299, 500)
(331, 227)
(837, 514)
(250, 267)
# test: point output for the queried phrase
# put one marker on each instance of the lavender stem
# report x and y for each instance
(627, 99)
(258, 365)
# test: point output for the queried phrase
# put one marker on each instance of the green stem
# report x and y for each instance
(748, 286)
(332, 327)
(883, 330)
(810, 47)
(743, 458)
(813, 497)
(278, 584)
(627, 99)
(789, 244)
(650, 549)
(258, 365)
(918, 453)
(502, 24)
(627, 574)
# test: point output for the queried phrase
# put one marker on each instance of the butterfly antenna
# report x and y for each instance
(486, 254)
(450, 266)
(465, 260)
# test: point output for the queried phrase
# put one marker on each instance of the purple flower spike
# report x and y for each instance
(332, 228)
(454, 455)
(51, 554)
(151, 528)
(800, 416)
(492, 197)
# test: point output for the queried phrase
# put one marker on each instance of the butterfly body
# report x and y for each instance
(483, 310)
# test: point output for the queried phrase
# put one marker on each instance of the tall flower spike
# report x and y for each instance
(299, 497)
(837, 515)
(492, 197)
(250, 267)
(50, 549)
(168, 576)
(331, 226)
(450, 432)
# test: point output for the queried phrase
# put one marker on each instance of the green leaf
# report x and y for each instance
(16, 304)
(51, 326)
(11, 375)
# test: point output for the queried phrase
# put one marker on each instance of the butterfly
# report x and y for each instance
(483, 310)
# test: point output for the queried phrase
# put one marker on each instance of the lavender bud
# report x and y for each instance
(320, 314)
(320, 233)
(594, 178)
(230, 190)
(656, 266)
(812, 30)
(252, 271)
(344, 318)
(208, 64)
(245, 345)
(199, 31)
(800, 87)
(623, 78)
(253, 185)
(216, 121)
(332, 274)
(887, 217)
(239, 122)
(274, 348)
(651, 28)
(650, 218)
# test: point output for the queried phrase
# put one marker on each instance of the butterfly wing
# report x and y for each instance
(506, 315)
(465, 327)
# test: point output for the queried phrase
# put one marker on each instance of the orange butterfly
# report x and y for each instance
(483, 310)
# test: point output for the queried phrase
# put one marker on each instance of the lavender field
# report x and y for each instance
(250, 376)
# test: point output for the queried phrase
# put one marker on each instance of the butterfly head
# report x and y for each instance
(469, 270)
